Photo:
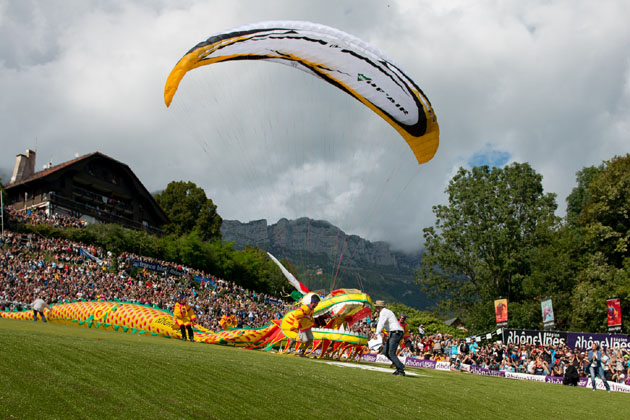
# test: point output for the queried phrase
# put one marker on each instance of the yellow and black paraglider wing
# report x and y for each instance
(340, 59)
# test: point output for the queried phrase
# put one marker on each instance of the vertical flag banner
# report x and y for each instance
(614, 314)
(547, 313)
(501, 311)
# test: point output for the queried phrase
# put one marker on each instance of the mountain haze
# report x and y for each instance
(320, 251)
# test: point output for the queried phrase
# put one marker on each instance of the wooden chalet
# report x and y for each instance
(93, 187)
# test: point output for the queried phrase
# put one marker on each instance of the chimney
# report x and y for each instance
(24, 166)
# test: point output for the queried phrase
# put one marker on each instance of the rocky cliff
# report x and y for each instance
(326, 257)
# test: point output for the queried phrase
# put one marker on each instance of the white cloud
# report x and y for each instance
(546, 82)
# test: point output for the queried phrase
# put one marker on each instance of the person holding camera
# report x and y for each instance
(571, 372)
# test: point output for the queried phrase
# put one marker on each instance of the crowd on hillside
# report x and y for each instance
(41, 216)
(59, 271)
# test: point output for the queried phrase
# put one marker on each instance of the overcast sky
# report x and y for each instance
(544, 82)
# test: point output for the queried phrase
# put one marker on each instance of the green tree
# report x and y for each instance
(482, 243)
(606, 214)
(189, 209)
(604, 224)
(554, 264)
(576, 201)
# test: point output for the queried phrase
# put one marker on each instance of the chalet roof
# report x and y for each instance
(454, 321)
(53, 169)
(62, 166)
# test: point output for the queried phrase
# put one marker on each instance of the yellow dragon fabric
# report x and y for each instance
(341, 308)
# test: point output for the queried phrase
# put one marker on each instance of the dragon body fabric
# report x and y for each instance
(334, 316)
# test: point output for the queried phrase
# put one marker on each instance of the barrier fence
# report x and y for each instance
(475, 370)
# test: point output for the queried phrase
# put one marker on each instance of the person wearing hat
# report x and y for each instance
(184, 318)
(387, 320)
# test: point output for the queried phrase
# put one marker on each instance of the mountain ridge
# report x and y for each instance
(326, 257)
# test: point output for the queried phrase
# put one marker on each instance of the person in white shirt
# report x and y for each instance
(38, 308)
(387, 320)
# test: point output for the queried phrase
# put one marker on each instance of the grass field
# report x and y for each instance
(64, 372)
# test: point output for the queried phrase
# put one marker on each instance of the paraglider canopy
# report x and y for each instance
(336, 57)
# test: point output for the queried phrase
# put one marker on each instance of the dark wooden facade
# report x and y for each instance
(93, 187)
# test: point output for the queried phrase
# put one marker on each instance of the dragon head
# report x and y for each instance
(338, 312)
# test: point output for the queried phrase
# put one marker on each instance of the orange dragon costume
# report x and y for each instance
(184, 319)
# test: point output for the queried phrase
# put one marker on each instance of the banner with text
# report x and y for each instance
(547, 313)
(614, 314)
(570, 339)
(501, 312)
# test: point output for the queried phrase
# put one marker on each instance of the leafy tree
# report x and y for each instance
(604, 224)
(482, 243)
(431, 324)
(554, 264)
(606, 214)
(188, 209)
(576, 201)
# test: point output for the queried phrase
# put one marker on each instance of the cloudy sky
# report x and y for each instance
(544, 82)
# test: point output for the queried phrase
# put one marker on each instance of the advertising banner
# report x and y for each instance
(547, 313)
(535, 337)
(570, 339)
(201, 279)
(501, 312)
(586, 340)
(149, 265)
(614, 314)
(476, 370)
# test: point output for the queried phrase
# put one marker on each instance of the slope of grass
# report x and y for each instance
(52, 371)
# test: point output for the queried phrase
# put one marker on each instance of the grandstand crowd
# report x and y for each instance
(555, 360)
(61, 271)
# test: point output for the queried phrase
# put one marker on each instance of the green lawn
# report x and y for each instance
(52, 371)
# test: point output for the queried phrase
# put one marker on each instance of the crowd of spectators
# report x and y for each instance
(41, 216)
(553, 360)
(61, 271)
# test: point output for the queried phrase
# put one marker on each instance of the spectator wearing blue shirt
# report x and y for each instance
(595, 366)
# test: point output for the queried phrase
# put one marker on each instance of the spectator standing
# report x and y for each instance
(421, 331)
(437, 346)
(595, 366)
(387, 320)
(464, 348)
(473, 347)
